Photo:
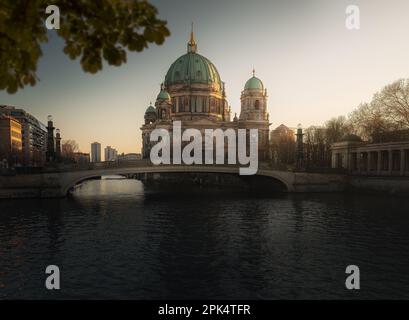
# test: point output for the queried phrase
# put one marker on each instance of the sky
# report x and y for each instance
(313, 67)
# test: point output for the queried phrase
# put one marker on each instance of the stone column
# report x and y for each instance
(402, 162)
(379, 164)
(368, 162)
(358, 161)
(390, 164)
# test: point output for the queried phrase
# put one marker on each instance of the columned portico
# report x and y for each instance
(384, 159)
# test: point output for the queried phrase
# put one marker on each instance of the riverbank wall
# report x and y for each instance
(379, 185)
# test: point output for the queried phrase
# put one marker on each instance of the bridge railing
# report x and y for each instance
(128, 164)
(61, 167)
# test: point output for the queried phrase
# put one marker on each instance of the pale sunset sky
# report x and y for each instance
(312, 66)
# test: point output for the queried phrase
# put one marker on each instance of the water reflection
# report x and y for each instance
(117, 239)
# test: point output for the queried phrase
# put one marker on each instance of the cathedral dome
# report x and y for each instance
(193, 68)
(150, 109)
(254, 83)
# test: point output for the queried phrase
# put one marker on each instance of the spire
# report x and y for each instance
(191, 45)
(254, 72)
(192, 36)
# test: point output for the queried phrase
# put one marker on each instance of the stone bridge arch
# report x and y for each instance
(70, 179)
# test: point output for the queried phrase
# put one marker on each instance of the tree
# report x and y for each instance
(316, 148)
(92, 30)
(68, 148)
(370, 119)
(336, 128)
(394, 99)
(387, 111)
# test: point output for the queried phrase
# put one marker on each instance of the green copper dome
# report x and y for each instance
(150, 109)
(193, 68)
(254, 83)
(163, 95)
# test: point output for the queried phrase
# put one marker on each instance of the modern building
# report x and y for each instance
(81, 158)
(11, 143)
(383, 156)
(111, 154)
(95, 152)
(34, 135)
(194, 94)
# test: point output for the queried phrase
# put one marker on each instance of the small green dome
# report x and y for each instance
(192, 68)
(150, 109)
(254, 83)
(163, 95)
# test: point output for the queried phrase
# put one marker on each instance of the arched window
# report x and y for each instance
(257, 105)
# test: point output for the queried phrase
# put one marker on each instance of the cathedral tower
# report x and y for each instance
(254, 100)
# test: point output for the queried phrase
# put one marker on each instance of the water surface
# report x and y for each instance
(114, 239)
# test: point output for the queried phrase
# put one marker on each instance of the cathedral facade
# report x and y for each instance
(194, 94)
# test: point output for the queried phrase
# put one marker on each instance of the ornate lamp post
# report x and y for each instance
(300, 147)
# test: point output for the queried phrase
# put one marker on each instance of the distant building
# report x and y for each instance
(281, 132)
(283, 146)
(11, 143)
(111, 154)
(81, 158)
(34, 135)
(95, 152)
(130, 157)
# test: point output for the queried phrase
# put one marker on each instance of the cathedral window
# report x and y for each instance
(198, 104)
(257, 105)
(186, 104)
(181, 104)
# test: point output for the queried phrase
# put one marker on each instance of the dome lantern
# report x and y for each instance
(191, 45)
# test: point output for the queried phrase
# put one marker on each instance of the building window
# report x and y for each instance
(173, 105)
(257, 105)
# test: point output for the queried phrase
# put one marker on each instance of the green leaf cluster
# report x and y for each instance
(93, 31)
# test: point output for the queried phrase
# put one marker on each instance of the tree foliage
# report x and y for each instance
(93, 31)
(336, 129)
(68, 148)
(387, 111)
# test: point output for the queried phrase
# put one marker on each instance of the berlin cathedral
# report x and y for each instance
(194, 94)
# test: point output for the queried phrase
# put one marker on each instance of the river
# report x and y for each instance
(116, 239)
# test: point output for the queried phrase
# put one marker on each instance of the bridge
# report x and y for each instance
(58, 181)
